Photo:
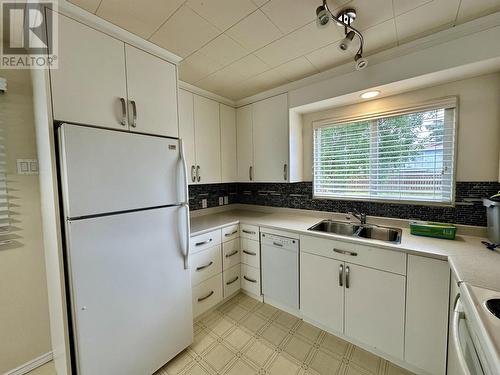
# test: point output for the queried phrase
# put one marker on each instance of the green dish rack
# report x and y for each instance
(433, 229)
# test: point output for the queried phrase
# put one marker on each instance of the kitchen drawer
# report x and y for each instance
(205, 241)
(230, 233)
(207, 294)
(249, 231)
(232, 282)
(230, 254)
(250, 252)
(205, 264)
(386, 260)
(250, 279)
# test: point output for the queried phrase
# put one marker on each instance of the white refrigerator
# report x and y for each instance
(127, 244)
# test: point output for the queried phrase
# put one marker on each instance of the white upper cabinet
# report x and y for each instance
(263, 140)
(101, 81)
(270, 139)
(207, 140)
(152, 93)
(186, 131)
(244, 144)
(89, 86)
(229, 167)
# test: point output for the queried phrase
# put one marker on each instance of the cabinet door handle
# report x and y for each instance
(249, 253)
(285, 171)
(249, 279)
(193, 176)
(134, 114)
(124, 111)
(203, 242)
(347, 273)
(232, 281)
(230, 234)
(248, 231)
(231, 254)
(200, 268)
(198, 175)
(345, 252)
(207, 296)
(250, 173)
(341, 275)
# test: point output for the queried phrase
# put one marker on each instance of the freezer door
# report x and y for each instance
(106, 171)
(130, 294)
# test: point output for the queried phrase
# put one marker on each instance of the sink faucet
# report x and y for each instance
(358, 215)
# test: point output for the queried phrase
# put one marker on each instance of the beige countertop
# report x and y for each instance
(469, 260)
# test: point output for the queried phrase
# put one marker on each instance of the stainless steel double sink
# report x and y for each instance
(367, 231)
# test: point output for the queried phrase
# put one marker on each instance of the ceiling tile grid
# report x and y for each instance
(237, 48)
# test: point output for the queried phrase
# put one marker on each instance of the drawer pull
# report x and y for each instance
(232, 281)
(203, 267)
(249, 279)
(230, 234)
(231, 254)
(345, 252)
(249, 253)
(203, 242)
(207, 296)
(248, 231)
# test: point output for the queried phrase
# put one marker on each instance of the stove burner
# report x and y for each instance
(493, 305)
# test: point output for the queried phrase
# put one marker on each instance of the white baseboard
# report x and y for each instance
(31, 365)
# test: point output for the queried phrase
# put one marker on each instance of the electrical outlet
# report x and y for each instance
(204, 203)
(27, 166)
(226, 200)
(221, 201)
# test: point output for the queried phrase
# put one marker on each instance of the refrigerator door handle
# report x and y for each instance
(185, 203)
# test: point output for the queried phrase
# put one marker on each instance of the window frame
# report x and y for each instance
(449, 102)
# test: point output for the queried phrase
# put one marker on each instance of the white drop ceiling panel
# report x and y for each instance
(238, 48)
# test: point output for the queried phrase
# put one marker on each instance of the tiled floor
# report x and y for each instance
(46, 369)
(245, 337)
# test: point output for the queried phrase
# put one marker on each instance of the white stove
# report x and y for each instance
(476, 331)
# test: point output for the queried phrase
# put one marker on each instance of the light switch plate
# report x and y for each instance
(204, 203)
(27, 166)
(226, 200)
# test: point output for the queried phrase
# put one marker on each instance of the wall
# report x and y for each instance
(24, 318)
(478, 123)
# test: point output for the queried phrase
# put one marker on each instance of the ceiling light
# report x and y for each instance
(370, 94)
(344, 18)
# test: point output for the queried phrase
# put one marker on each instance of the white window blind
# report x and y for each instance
(4, 201)
(405, 156)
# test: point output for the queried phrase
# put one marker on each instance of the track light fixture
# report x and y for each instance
(343, 18)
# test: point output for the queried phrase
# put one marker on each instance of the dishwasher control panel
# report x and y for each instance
(279, 241)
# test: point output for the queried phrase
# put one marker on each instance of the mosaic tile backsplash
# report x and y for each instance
(468, 208)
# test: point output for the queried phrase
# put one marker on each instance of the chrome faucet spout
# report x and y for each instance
(358, 215)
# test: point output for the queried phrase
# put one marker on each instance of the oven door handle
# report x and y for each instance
(458, 315)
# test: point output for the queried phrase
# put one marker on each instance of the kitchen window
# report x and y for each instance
(405, 156)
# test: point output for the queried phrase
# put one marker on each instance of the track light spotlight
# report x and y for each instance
(361, 62)
(346, 42)
(322, 16)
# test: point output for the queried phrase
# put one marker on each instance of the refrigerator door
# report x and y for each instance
(131, 296)
(106, 171)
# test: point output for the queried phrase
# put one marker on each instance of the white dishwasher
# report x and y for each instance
(280, 271)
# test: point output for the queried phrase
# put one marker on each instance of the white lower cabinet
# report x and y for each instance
(375, 308)
(205, 264)
(427, 304)
(322, 291)
(232, 280)
(207, 294)
(230, 254)
(250, 252)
